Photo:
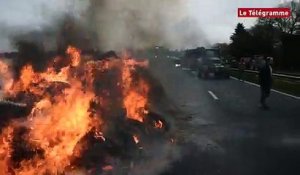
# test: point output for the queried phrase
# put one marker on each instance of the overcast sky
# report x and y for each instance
(223, 15)
(217, 18)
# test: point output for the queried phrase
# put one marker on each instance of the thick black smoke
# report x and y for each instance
(142, 23)
(38, 47)
(118, 24)
(29, 53)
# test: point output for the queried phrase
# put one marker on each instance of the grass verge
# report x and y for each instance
(281, 84)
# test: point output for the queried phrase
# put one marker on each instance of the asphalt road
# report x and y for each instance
(223, 129)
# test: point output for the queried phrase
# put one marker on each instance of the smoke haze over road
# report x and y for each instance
(123, 23)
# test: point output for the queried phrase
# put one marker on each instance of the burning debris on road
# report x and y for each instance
(79, 115)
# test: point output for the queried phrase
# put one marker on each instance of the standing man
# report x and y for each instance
(265, 81)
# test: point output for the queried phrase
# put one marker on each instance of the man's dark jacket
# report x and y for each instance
(265, 78)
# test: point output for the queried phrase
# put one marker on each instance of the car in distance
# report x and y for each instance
(212, 67)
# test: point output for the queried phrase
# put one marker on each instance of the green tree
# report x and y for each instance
(285, 25)
(241, 42)
(223, 48)
(264, 38)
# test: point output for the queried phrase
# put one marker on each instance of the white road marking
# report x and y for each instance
(289, 95)
(233, 78)
(213, 95)
(273, 90)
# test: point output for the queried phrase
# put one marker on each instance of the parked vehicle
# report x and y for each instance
(212, 67)
(176, 60)
(190, 57)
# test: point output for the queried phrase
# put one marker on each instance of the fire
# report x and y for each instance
(5, 149)
(57, 128)
(135, 93)
(6, 75)
(136, 139)
(99, 135)
(29, 77)
(61, 115)
(107, 168)
(158, 124)
(75, 55)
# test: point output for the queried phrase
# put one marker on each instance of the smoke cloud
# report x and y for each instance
(112, 25)
(143, 23)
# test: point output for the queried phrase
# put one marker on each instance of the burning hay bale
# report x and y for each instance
(79, 117)
(9, 110)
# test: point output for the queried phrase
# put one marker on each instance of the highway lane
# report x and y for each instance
(224, 130)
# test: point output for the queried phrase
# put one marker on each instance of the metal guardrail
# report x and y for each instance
(274, 74)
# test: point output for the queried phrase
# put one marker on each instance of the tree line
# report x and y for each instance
(278, 38)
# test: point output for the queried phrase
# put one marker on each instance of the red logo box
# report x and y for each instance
(264, 12)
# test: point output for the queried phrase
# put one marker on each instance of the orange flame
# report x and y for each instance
(59, 120)
(6, 76)
(75, 56)
(99, 135)
(58, 132)
(5, 149)
(136, 139)
(135, 93)
(158, 124)
(107, 168)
